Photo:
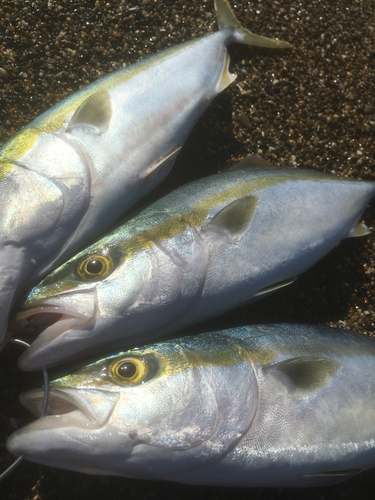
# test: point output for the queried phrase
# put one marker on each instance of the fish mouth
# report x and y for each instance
(54, 321)
(71, 413)
(69, 408)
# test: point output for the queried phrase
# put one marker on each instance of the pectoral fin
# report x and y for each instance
(235, 218)
(305, 376)
(95, 111)
(163, 165)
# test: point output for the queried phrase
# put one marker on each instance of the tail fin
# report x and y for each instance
(227, 19)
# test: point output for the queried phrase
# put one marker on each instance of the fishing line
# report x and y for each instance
(16, 463)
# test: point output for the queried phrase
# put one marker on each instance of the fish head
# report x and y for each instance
(23, 224)
(77, 306)
(44, 193)
(115, 293)
(147, 413)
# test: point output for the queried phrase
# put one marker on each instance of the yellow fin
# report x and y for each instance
(305, 376)
(226, 77)
(96, 110)
(359, 230)
(235, 217)
(227, 19)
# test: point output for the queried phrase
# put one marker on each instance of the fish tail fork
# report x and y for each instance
(226, 19)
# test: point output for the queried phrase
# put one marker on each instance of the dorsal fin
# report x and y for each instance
(305, 376)
(96, 111)
(235, 217)
(252, 162)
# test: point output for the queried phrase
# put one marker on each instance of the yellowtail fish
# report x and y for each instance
(270, 405)
(74, 170)
(206, 248)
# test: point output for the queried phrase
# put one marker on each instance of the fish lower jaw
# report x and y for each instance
(63, 411)
(57, 321)
(50, 342)
(75, 418)
(37, 319)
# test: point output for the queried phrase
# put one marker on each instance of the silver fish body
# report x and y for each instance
(74, 170)
(269, 405)
(204, 249)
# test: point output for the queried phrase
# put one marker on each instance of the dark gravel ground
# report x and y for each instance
(310, 107)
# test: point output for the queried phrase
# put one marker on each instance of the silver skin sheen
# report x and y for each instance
(208, 247)
(268, 405)
(71, 173)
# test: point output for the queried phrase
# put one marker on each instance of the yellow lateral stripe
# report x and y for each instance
(5, 168)
(57, 119)
(182, 358)
(21, 143)
(199, 211)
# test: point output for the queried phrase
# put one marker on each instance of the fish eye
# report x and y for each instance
(129, 370)
(95, 267)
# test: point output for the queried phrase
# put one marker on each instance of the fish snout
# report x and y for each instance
(71, 413)
(67, 407)
(56, 320)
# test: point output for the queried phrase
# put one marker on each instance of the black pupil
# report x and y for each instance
(94, 266)
(127, 370)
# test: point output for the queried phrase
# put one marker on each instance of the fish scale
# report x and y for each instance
(207, 247)
(99, 151)
(258, 406)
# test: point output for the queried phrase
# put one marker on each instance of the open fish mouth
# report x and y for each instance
(71, 413)
(38, 319)
(54, 321)
(71, 408)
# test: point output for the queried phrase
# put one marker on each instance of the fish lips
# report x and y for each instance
(74, 312)
(70, 413)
